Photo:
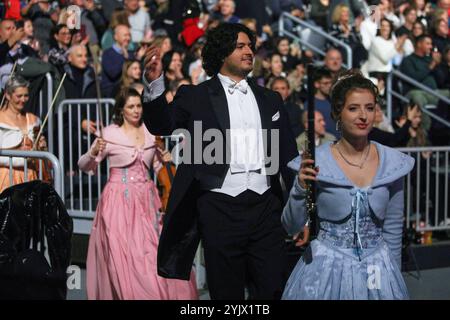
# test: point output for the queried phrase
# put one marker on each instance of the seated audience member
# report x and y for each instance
(281, 85)
(420, 66)
(322, 85)
(384, 133)
(131, 73)
(321, 136)
(172, 66)
(57, 55)
(288, 57)
(383, 49)
(333, 61)
(119, 16)
(139, 20)
(114, 58)
(227, 9)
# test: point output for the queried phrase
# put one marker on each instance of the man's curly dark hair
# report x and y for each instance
(220, 43)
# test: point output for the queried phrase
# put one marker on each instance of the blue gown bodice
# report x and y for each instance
(360, 230)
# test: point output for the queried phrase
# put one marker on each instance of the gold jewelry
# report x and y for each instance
(351, 163)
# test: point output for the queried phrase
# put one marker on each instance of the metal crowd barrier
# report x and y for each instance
(56, 168)
(316, 31)
(390, 92)
(67, 104)
(81, 191)
(426, 189)
(45, 101)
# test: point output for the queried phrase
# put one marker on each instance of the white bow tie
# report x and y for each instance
(242, 86)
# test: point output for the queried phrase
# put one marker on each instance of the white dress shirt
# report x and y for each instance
(247, 169)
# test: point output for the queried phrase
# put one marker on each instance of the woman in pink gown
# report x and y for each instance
(121, 262)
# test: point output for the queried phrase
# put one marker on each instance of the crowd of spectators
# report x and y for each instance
(412, 36)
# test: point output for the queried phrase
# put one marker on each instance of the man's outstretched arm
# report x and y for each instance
(160, 117)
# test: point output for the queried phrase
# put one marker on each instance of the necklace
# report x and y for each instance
(351, 163)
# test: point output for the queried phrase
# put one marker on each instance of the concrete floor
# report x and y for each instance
(434, 284)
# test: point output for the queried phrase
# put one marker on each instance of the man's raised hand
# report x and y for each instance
(152, 63)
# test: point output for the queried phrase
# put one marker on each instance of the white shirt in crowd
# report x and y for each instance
(140, 25)
(381, 53)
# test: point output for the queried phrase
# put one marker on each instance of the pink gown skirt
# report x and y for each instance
(121, 262)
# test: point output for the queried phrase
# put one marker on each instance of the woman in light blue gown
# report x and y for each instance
(357, 252)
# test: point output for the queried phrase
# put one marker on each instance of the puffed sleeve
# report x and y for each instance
(294, 215)
(88, 163)
(393, 222)
(157, 163)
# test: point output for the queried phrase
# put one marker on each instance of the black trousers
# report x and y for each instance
(244, 245)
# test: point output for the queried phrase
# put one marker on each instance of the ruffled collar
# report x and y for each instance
(393, 164)
(115, 135)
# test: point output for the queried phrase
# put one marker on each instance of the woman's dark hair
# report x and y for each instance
(55, 30)
(279, 39)
(58, 27)
(322, 72)
(391, 25)
(167, 59)
(422, 26)
(220, 43)
(421, 138)
(408, 10)
(347, 82)
(121, 100)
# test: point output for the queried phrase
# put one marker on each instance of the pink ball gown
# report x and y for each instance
(121, 262)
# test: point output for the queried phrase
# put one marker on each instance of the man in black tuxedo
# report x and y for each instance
(233, 203)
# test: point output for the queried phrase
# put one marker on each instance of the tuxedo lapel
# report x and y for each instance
(219, 103)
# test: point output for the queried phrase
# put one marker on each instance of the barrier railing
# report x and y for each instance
(44, 102)
(65, 104)
(78, 187)
(426, 189)
(82, 191)
(56, 168)
(338, 43)
(390, 93)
